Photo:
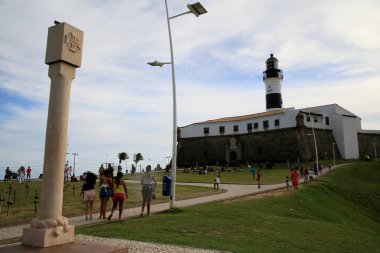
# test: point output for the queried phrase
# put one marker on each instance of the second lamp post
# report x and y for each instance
(196, 9)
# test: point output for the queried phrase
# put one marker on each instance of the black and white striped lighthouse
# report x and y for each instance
(272, 78)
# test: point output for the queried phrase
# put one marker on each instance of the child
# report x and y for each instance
(287, 183)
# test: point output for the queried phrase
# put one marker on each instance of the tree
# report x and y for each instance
(122, 156)
(137, 158)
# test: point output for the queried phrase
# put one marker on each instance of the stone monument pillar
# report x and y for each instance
(63, 55)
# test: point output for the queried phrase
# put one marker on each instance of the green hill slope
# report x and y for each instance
(338, 213)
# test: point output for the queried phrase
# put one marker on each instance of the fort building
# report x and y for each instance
(278, 134)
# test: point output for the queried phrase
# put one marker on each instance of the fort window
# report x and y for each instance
(206, 130)
(255, 125)
(315, 119)
(265, 124)
(327, 119)
(277, 122)
(308, 118)
(221, 129)
(249, 127)
(236, 128)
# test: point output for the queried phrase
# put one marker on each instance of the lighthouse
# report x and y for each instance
(272, 78)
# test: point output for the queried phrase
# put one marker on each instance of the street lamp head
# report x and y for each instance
(197, 9)
(157, 63)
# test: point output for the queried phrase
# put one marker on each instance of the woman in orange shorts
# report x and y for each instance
(119, 194)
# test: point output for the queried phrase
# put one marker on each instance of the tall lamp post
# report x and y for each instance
(315, 140)
(196, 9)
(333, 145)
(374, 145)
(74, 154)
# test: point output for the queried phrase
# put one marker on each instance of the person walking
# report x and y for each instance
(120, 193)
(106, 185)
(89, 193)
(148, 182)
(259, 177)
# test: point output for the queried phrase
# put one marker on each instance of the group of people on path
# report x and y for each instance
(116, 189)
(21, 172)
(306, 174)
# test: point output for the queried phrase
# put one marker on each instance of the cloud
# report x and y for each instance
(328, 51)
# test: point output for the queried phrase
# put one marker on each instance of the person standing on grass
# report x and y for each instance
(259, 177)
(253, 170)
(21, 174)
(287, 183)
(101, 171)
(316, 169)
(216, 180)
(106, 185)
(148, 182)
(28, 172)
(305, 174)
(294, 176)
(66, 173)
(120, 193)
(311, 174)
(89, 193)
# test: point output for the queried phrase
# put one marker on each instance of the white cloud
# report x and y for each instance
(328, 51)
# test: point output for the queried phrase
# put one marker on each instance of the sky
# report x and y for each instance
(329, 52)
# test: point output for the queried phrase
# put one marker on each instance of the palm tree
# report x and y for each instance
(122, 156)
(138, 157)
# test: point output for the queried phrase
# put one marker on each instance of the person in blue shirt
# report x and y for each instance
(253, 170)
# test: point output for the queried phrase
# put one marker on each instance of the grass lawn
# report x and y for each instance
(73, 204)
(338, 213)
(270, 176)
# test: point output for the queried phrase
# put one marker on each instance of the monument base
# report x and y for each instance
(47, 237)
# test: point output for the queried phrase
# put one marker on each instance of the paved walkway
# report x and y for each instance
(232, 191)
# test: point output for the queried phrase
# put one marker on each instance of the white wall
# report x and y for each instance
(345, 130)
(350, 131)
